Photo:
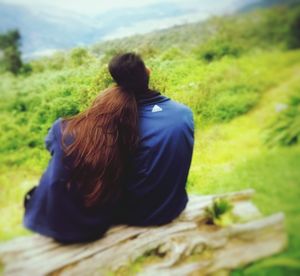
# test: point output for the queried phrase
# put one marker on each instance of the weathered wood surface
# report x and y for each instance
(215, 248)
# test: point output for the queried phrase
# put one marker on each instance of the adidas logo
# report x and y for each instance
(156, 108)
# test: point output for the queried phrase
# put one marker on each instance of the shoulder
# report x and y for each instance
(54, 133)
(57, 127)
(180, 108)
(57, 123)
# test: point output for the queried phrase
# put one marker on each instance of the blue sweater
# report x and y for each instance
(155, 191)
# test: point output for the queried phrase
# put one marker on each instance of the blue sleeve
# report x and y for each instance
(49, 144)
(56, 170)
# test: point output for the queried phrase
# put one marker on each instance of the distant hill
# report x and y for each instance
(192, 34)
(250, 5)
(45, 29)
(181, 36)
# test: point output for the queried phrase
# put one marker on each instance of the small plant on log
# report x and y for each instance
(219, 213)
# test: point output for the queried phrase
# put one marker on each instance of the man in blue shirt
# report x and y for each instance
(156, 191)
(154, 185)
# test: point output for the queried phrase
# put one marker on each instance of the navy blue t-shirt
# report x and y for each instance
(154, 187)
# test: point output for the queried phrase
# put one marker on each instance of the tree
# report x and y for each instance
(294, 40)
(79, 56)
(10, 58)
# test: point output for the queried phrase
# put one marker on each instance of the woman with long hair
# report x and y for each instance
(103, 170)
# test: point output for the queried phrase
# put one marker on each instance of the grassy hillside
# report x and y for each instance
(240, 76)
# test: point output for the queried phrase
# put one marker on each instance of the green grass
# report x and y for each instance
(14, 183)
(275, 177)
(228, 156)
(232, 156)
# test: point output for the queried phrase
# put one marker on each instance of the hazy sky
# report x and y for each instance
(96, 6)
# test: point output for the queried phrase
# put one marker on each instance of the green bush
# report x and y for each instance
(258, 30)
(228, 106)
(218, 91)
(172, 54)
(79, 56)
(294, 39)
(285, 129)
(218, 47)
(219, 213)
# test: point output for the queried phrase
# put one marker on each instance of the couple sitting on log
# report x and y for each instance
(124, 160)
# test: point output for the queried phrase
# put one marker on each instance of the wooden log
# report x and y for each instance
(232, 247)
(175, 244)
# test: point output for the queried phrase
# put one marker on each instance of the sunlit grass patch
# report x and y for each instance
(14, 184)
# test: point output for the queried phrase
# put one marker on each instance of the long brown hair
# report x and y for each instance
(106, 134)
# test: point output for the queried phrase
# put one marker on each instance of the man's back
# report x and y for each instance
(155, 186)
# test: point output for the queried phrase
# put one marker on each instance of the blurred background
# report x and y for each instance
(235, 63)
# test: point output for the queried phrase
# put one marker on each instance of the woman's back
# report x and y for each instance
(53, 209)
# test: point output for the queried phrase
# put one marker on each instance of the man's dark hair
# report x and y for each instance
(129, 71)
